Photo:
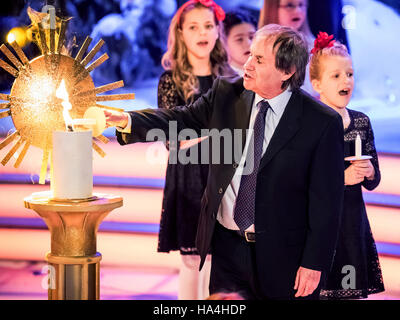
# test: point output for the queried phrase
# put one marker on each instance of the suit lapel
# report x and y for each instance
(243, 113)
(286, 129)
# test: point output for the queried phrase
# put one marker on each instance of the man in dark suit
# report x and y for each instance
(272, 230)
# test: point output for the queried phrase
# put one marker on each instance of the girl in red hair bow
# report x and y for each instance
(331, 73)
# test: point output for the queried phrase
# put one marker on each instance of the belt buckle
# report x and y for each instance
(246, 233)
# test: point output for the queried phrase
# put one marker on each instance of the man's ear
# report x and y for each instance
(316, 84)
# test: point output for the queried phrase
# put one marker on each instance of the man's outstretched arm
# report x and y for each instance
(133, 126)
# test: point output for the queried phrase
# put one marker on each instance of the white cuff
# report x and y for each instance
(127, 129)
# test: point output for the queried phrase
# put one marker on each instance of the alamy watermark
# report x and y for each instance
(49, 280)
(220, 146)
(349, 280)
(349, 21)
(49, 22)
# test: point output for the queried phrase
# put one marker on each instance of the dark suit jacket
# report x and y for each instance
(300, 180)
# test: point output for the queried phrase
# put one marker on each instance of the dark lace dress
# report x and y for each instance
(184, 183)
(356, 245)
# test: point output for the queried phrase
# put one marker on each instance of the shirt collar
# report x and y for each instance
(278, 103)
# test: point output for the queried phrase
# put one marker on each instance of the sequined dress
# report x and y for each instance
(184, 183)
(356, 246)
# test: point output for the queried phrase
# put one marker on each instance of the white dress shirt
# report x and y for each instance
(272, 118)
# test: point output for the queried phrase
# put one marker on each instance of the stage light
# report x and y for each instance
(19, 35)
(11, 37)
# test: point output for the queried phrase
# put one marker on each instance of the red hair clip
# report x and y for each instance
(218, 11)
(322, 41)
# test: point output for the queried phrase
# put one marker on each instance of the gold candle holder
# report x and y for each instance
(73, 226)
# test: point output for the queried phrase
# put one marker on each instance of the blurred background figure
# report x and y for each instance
(134, 39)
(290, 13)
(239, 28)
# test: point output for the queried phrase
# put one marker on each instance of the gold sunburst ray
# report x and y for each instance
(114, 97)
(8, 68)
(11, 56)
(103, 139)
(109, 108)
(101, 89)
(43, 169)
(12, 151)
(82, 73)
(97, 62)
(61, 36)
(83, 49)
(5, 105)
(9, 139)
(21, 55)
(52, 40)
(92, 52)
(5, 97)
(4, 114)
(98, 149)
(42, 37)
(22, 154)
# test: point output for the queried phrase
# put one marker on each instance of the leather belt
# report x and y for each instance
(249, 236)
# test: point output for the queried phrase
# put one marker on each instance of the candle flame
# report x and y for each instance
(63, 94)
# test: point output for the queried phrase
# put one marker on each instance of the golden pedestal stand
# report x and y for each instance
(74, 263)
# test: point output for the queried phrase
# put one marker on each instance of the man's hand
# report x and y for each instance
(364, 168)
(116, 119)
(306, 282)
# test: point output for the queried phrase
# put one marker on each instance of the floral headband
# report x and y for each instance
(218, 11)
(322, 41)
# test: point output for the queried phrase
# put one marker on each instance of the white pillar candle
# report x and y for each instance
(358, 146)
(72, 159)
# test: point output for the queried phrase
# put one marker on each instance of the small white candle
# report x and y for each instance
(97, 115)
(72, 160)
(84, 122)
(358, 146)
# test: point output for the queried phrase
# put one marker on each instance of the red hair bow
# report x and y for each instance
(218, 11)
(322, 41)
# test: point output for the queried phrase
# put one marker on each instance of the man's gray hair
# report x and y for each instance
(291, 54)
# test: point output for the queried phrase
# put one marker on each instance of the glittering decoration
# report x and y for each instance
(32, 103)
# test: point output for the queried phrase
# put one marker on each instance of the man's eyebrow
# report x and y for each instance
(259, 57)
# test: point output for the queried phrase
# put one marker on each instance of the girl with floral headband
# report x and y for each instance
(331, 74)
(195, 57)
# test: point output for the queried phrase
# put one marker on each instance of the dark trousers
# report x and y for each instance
(233, 267)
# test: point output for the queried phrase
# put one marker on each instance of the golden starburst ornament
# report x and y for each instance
(33, 105)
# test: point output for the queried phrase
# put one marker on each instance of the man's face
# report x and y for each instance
(260, 73)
